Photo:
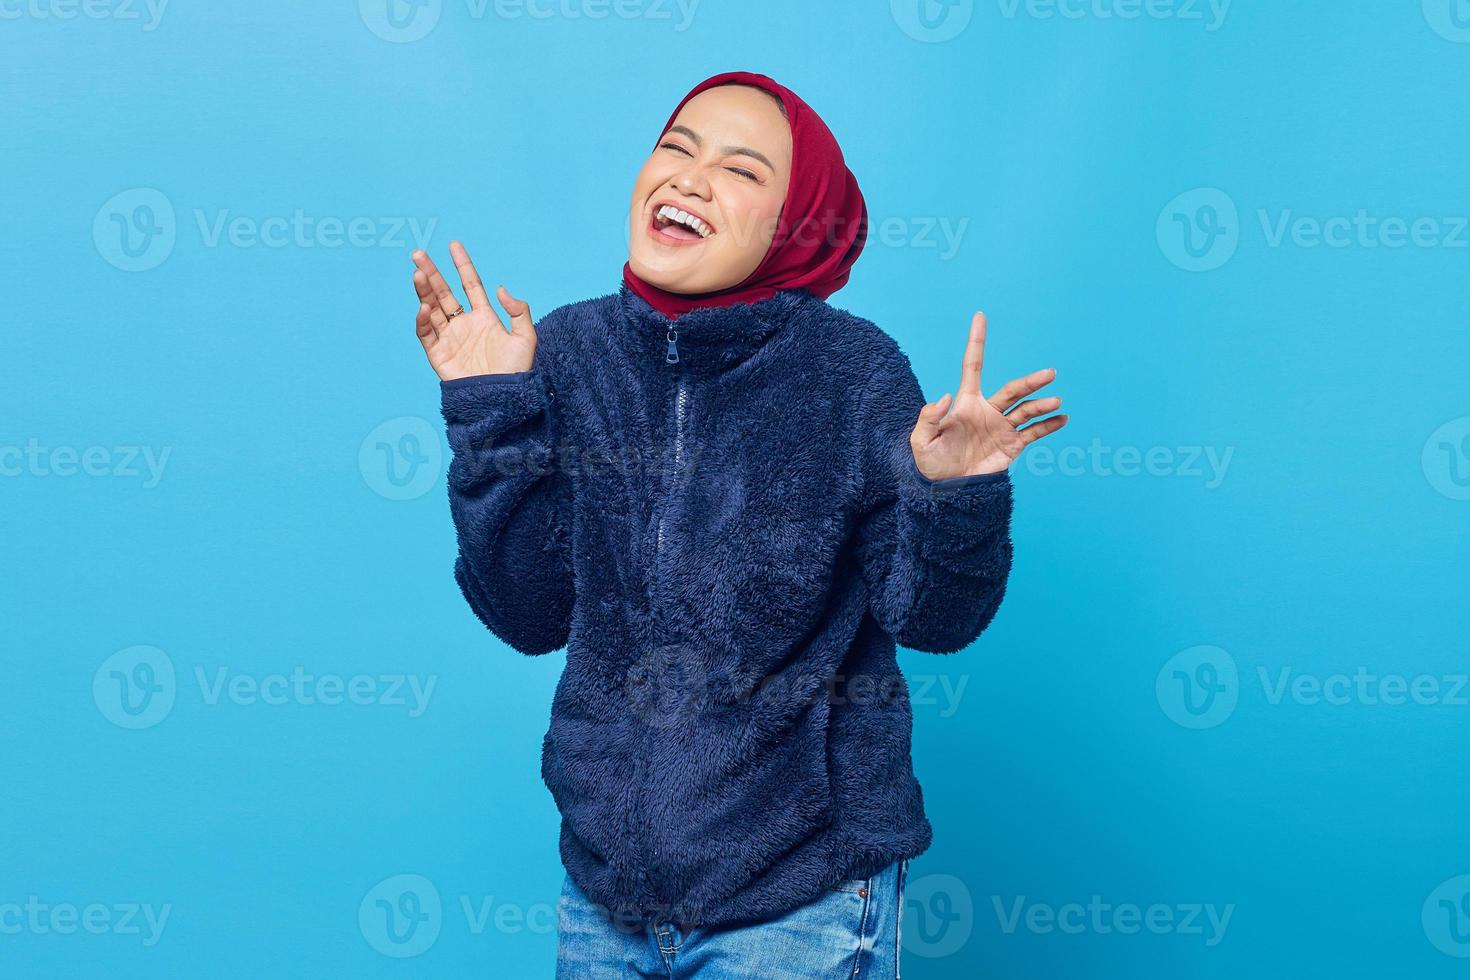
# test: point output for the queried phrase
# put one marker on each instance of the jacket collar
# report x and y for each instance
(710, 340)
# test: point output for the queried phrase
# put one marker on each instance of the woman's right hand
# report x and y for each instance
(472, 342)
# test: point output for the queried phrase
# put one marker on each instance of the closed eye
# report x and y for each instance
(740, 171)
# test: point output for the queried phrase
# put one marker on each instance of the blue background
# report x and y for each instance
(1074, 764)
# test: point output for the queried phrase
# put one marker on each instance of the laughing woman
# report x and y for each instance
(729, 501)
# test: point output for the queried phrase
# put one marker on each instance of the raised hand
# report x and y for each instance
(463, 342)
(973, 434)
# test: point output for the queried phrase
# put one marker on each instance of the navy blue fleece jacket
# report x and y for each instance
(722, 522)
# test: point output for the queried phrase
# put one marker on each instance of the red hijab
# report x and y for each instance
(823, 224)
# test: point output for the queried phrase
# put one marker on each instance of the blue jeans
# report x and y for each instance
(850, 931)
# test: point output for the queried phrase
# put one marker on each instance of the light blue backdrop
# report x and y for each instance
(1228, 677)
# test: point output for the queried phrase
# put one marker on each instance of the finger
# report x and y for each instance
(443, 295)
(974, 356)
(424, 326)
(1039, 430)
(518, 310)
(1035, 408)
(930, 416)
(421, 286)
(468, 277)
(1013, 391)
(438, 320)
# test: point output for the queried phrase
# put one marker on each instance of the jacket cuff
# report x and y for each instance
(493, 401)
(956, 512)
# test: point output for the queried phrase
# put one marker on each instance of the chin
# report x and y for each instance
(670, 280)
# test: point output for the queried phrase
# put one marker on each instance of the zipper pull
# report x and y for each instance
(672, 357)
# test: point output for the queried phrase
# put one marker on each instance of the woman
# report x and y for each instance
(728, 500)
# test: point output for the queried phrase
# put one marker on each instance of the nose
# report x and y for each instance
(691, 181)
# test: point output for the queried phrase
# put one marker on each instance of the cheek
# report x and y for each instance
(756, 216)
(649, 178)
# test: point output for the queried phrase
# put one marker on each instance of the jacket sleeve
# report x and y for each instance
(935, 553)
(509, 503)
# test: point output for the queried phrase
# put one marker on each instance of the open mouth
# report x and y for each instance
(676, 226)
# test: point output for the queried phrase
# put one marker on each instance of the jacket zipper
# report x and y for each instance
(681, 401)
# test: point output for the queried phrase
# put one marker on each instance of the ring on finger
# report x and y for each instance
(456, 313)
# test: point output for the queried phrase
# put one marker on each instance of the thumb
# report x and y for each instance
(518, 310)
(930, 416)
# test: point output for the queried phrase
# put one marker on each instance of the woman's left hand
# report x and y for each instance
(975, 434)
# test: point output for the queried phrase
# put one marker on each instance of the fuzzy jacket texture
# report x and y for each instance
(721, 520)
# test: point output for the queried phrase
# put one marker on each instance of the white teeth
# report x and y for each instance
(671, 213)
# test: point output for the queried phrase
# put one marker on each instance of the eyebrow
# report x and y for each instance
(742, 150)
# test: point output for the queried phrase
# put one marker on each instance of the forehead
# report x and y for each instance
(739, 114)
